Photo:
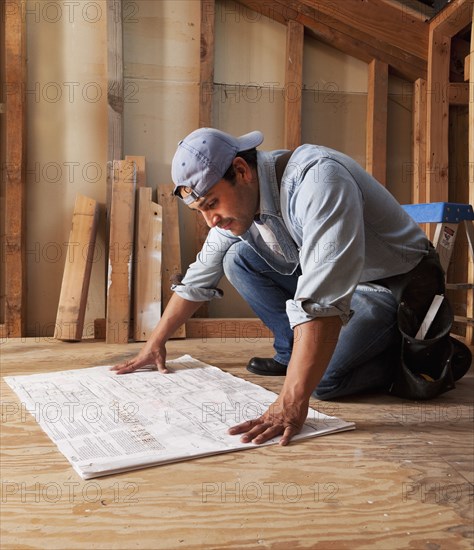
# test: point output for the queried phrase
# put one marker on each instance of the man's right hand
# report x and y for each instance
(148, 356)
(153, 353)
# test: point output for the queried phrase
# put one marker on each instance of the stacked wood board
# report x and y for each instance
(143, 255)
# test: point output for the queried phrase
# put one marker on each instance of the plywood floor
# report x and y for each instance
(403, 479)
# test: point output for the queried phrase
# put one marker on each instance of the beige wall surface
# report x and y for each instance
(161, 80)
(67, 123)
(161, 87)
(66, 147)
(67, 118)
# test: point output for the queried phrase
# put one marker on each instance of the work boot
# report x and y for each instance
(266, 367)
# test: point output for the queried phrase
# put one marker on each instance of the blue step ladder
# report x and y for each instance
(448, 216)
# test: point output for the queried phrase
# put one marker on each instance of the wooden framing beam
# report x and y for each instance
(415, 9)
(393, 30)
(437, 160)
(115, 104)
(115, 93)
(208, 18)
(237, 329)
(293, 83)
(13, 247)
(458, 93)
(241, 330)
(470, 296)
(333, 24)
(454, 17)
(419, 142)
(377, 98)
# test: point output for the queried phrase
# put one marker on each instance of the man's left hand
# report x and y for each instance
(285, 419)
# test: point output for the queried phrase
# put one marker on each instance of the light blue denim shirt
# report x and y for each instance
(332, 218)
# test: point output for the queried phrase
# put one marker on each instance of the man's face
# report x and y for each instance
(231, 207)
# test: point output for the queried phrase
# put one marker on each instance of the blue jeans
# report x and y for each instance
(368, 344)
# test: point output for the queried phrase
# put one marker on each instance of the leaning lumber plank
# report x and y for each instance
(140, 162)
(77, 271)
(122, 213)
(140, 182)
(147, 262)
(171, 256)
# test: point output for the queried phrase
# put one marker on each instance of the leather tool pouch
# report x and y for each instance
(425, 366)
(425, 369)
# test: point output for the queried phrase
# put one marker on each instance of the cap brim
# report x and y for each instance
(250, 140)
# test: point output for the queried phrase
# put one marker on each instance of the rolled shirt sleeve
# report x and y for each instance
(203, 275)
(328, 206)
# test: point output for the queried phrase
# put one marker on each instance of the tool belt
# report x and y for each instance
(430, 366)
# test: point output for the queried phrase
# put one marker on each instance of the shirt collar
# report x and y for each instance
(268, 185)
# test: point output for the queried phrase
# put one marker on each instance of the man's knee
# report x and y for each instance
(237, 260)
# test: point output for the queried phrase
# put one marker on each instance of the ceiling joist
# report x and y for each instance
(455, 17)
(364, 32)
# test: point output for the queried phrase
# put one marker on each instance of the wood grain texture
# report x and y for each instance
(374, 20)
(458, 93)
(437, 160)
(171, 252)
(459, 193)
(77, 270)
(293, 84)
(401, 479)
(14, 240)
(334, 24)
(240, 329)
(115, 96)
(377, 99)
(470, 297)
(419, 141)
(147, 263)
(206, 70)
(140, 163)
(206, 81)
(453, 18)
(122, 215)
(115, 93)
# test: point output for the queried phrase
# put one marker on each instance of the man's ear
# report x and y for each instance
(242, 169)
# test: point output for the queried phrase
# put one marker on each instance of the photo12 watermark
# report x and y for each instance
(271, 492)
(328, 93)
(91, 12)
(68, 412)
(74, 92)
(69, 491)
(446, 413)
(434, 492)
(236, 413)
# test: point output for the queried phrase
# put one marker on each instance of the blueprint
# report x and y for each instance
(106, 423)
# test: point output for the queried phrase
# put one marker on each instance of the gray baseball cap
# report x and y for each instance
(203, 157)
